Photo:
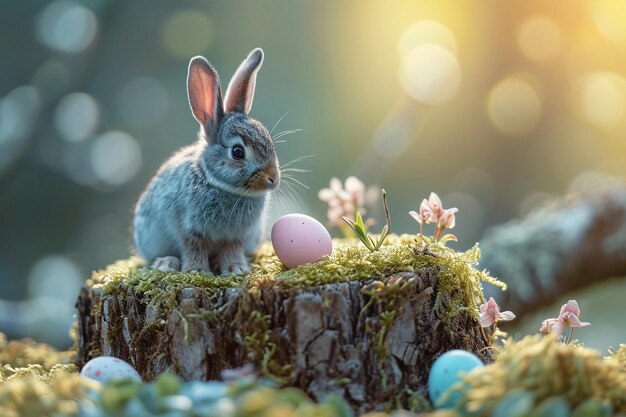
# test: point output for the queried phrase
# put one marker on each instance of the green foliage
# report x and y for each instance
(21, 353)
(62, 392)
(535, 377)
(32, 391)
(360, 229)
(539, 377)
(169, 396)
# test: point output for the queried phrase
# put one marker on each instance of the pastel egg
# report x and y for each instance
(107, 368)
(447, 370)
(300, 239)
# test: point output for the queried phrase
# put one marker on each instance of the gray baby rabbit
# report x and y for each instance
(205, 206)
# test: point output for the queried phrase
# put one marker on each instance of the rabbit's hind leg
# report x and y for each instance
(166, 264)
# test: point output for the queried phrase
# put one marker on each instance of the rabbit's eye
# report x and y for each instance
(238, 152)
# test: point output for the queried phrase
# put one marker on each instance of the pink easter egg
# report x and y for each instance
(300, 239)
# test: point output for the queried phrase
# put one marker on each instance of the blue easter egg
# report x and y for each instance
(447, 370)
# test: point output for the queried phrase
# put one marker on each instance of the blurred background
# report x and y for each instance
(496, 106)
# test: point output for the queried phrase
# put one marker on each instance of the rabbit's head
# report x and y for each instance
(239, 155)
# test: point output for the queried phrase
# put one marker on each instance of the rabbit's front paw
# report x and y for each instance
(200, 271)
(236, 268)
(167, 264)
(192, 267)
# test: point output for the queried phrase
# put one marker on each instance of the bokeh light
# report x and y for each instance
(477, 182)
(393, 139)
(609, 17)
(115, 157)
(55, 276)
(142, 102)
(430, 74)
(77, 116)
(603, 99)
(471, 218)
(187, 33)
(539, 38)
(66, 26)
(52, 78)
(53, 283)
(426, 32)
(514, 107)
(77, 164)
(18, 113)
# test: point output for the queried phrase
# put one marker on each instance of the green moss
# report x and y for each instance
(350, 261)
(256, 333)
(389, 296)
(35, 391)
(542, 369)
(21, 353)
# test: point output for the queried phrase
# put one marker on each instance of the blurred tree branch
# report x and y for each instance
(569, 245)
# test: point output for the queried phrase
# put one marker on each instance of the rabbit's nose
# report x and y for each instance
(272, 176)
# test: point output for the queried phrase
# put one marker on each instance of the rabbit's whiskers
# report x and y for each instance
(296, 182)
(294, 161)
(279, 120)
(285, 133)
(304, 171)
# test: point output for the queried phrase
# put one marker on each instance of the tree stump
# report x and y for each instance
(371, 340)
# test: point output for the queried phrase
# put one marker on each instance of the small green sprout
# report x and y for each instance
(360, 228)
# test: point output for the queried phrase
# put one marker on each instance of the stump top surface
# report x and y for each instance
(350, 261)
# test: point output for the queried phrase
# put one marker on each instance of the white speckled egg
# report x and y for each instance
(447, 370)
(300, 239)
(107, 368)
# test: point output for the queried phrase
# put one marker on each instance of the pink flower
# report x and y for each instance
(346, 200)
(446, 219)
(490, 313)
(435, 206)
(547, 326)
(432, 211)
(568, 316)
(424, 215)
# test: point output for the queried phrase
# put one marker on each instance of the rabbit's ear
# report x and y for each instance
(240, 90)
(205, 93)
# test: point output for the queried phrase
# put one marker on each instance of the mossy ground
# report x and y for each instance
(540, 373)
(350, 261)
(536, 376)
(21, 353)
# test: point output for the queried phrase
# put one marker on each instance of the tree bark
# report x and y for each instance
(575, 242)
(372, 342)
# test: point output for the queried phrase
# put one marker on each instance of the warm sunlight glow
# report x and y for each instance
(609, 17)
(603, 99)
(426, 32)
(430, 74)
(539, 38)
(514, 106)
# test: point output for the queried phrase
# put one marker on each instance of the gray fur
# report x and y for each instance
(204, 206)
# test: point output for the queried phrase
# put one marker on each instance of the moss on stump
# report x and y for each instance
(366, 326)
